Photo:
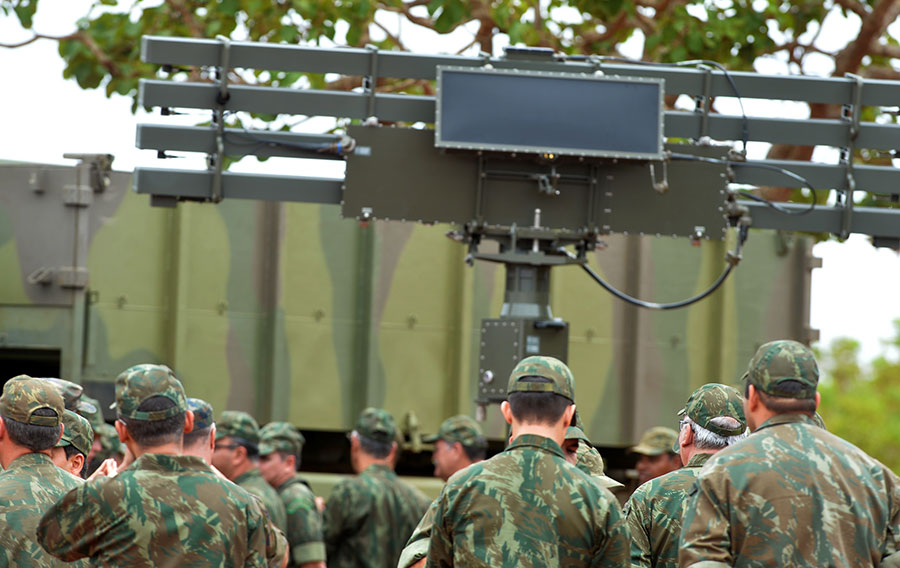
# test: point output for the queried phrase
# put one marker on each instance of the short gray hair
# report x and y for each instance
(706, 440)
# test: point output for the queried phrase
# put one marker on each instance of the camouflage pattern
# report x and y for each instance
(780, 361)
(77, 433)
(590, 462)
(714, 400)
(141, 382)
(253, 482)
(188, 516)
(29, 486)
(110, 444)
(280, 437)
(95, 417)
(72, 395)
(561, 380)
(252, 305)
(460, 428)
(656, 441)
(369, 518)
(654, 513)
(792, 494)
(237, 424)
(376, 424)
(417, 546)
(576, 433)
(304, 522)
(527, 507)
(22, 395)
(203, 413)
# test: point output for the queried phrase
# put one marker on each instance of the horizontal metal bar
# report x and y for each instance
(238, 142)
(884, 180)
(352, 61)
(195, 185)
(388, 107)
(866, 220)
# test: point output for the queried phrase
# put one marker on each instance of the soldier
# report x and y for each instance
(280, 447)
(713, 419)
(656, 455)
(458, 444)
(165, 509)
(236, 455)
(527, 505)
(791, 494)
(30, 422)
(581, 453)
(72, 449)
(369, 518)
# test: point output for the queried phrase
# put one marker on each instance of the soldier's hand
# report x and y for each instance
(320, 504)
(109, 468)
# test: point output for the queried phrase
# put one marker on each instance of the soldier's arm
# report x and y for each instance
(305, 531)
(71, 527)
(440, 546)
(417, 547)
(705, 540)
(892, 543)
(638, 519)
(613, 533)
(337, 510)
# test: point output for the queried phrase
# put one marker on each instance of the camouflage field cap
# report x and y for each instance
(713, 400)
(95, 417)
(237, 424)
(576, 433)
(72, 395)
(23, 395)
(78, 432)
(655, 441)
(141, 382)
(780, 361)
(561, 380)
(203, 413)
(280, 437)
(376, 424)
(461, 428)
(589, 461)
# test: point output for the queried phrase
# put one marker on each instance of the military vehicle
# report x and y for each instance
(291, 311)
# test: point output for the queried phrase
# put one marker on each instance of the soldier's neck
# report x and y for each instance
(173, 449)
(555, 432)
(364, 460)
(10, 452)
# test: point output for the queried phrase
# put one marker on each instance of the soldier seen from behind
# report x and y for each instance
(31, 413)
(236, 455)
(369, 518)
(581, 453)
(73, 448)
(656, 455)
(280, 447)
(165, 509)
(713, 419)
(458, 444)
(791, 494)
(528, 506)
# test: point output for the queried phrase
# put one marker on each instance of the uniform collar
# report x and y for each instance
(168, 462)
(379, 469)
(535, 441)
(789, 418)
(697, 460)
(247, 475)
(29, 459)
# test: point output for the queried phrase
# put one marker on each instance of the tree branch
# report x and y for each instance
(36, 37)
(187, 16)
(391, 36)
(405, 10)
(873, 27)
(892, 51)
(853, 6)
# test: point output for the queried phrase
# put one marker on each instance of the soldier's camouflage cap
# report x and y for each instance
(141, 382)
(576, 433)
(778, 362)
(203, 413)
(590, 462)
(78, 432)
(110, 444)
(376, 424)
(461, 428)
(561, 380)
(72, 395)
(237, 424)
(280, 437)
(96, 417)
(711, 401)
(23, 395)
(655, 441)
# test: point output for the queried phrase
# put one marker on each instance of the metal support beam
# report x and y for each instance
(866, 220)
(192, 185)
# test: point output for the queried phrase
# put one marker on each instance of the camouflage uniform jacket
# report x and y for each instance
(161, 511)
(417, 546)
(792, 494)
(30, 486)
(527, 507)
(369, 518)
(303, 521)
(654, 514)
(253, 482)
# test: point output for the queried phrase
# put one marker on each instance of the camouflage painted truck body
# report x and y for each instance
(292, 313)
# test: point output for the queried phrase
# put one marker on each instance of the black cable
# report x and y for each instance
(733, 258)
(747, 195)
(255, 140)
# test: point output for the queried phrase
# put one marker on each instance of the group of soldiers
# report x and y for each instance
(750, 478)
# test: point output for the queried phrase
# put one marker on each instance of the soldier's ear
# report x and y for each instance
(188, 421)
(818, 399)
(506, 411)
